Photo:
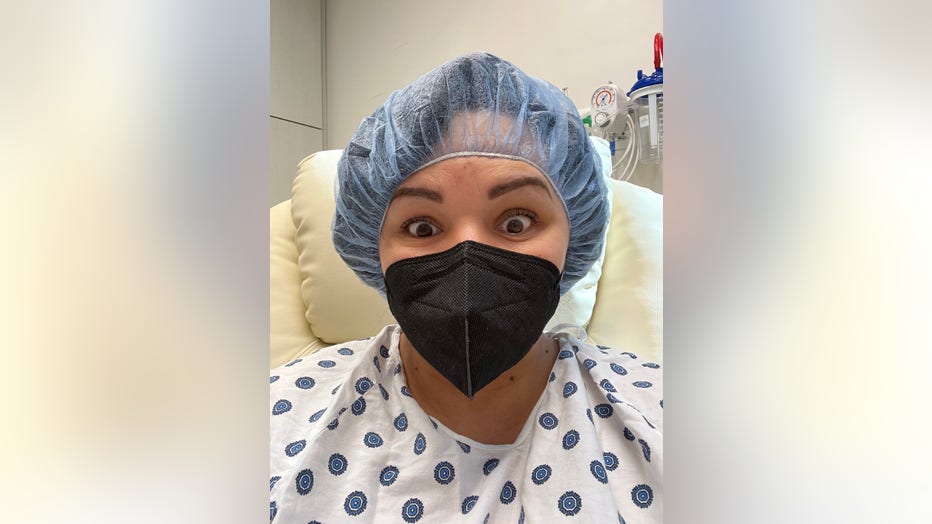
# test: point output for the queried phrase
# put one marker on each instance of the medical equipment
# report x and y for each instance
(606, 104)
(632, 124)
(647, 99)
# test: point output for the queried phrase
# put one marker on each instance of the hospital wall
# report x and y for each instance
(296, 104)
(375, 47)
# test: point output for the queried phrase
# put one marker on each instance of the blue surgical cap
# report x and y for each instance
(474, 105)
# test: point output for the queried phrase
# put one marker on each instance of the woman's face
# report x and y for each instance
(503, 203)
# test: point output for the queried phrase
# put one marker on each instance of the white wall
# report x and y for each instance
(296, 108)
(375, 46)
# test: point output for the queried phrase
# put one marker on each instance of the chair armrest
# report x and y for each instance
(629, 302)
(290, 335)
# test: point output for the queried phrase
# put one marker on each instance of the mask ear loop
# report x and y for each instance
(560, 331)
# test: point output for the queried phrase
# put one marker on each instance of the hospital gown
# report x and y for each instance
(350, 444)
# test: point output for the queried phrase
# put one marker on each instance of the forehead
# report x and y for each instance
(476, 171)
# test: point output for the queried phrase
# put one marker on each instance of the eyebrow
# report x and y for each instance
(501, 189)
(418, 192)
(494, 192)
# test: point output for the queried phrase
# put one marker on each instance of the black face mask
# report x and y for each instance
(473, 311)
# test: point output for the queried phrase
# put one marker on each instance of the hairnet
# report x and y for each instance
(474, 105)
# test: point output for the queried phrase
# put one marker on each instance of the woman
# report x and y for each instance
(472, 199)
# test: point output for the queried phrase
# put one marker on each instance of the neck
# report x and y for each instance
(497, 412)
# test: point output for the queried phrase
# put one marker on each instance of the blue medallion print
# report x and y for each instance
(333, 424)
(384, 393)
(489, 466)
(468, 504)
(618, 369)
(282, 406)
(316, 416)
(375, 362)
(363, 385)
(598, 471)
(293, 362)
(541, 474)
(345, 351)
(304, 482)
(521, 516)
(589, 363)
(372, 440)
(273, 378)
(508, 493)
(355, 503)
(295, 447)
(304, 382)
(548, 421)
(628, 434)
(397, 369)
(607, 386)
(612, 398)
(644, 449)
(383, 351)
(569, 503)
(642, 495)
(412, 510)
(611, 461)
(406, 392)
(388, 475)
(569, 389)
(565, 354)
(553, 376)
(604, 410)
(334, 390)
(273, 510)
(359, 406)
(570, 439)
(444, 473)
(337, 464)
(628, 353)
(401, 422)
(272, 481)
(326, 363)
(420, 444)
(651, 365)
(463, 446)
(641, 384)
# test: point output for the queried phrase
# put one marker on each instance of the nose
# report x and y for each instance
(471, 229)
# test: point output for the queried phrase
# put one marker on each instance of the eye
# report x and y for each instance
(421, 228)
(517, 222)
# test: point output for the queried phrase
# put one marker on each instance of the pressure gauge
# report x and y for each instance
(605, 104)
(604, 98)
